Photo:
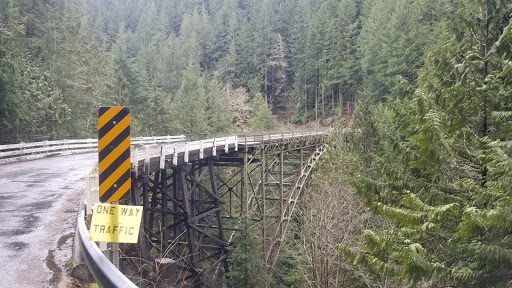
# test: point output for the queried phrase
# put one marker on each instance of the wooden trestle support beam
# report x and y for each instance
(192, 210)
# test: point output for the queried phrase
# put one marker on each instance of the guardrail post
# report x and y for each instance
(214, 151)
(226, 145)
(92, 185)
(147, 156)
(104, 249)
(22, 148)
(135, 160)
(46, 146)
(175, 156)
(163, 151)
(201, 150)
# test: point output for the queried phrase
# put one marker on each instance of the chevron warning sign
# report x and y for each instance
(114, 153)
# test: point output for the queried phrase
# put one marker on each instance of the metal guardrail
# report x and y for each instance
(35, 150)
(104, 272)
(141, 155)
(101, 267)
(260, 138)
(28, 151)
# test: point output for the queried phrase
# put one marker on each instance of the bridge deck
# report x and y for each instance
(150, 158)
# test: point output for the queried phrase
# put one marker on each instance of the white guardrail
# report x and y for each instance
(155, 146)
(28, 151)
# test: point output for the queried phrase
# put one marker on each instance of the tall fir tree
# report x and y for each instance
(441, 174)
(247, 270)
(261, 115)
(219, 115)
(189, 107)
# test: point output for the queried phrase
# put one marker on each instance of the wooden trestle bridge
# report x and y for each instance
(195, 193)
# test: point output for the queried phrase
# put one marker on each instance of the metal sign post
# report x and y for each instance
(115, 250)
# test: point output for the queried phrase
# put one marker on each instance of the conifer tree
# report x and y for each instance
(32, 106)
(189, 107)
(392, 41)
(442, 173)
(219, 115)
(261, 115)
(247, 270)
(300, 63)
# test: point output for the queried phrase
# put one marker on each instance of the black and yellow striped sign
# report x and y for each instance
(114, 153)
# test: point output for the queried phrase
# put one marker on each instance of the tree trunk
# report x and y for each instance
(305, 102)
(316, 96)
(485, 104)
(305, 96)
(265, 70)
(323, 102)
(332, 101)
(341, 101)
(316, 103)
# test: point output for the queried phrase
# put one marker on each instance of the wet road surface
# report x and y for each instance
(38, 205)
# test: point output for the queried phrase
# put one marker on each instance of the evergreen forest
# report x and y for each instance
(416, 187)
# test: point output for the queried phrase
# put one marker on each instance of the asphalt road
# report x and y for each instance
(38, 208)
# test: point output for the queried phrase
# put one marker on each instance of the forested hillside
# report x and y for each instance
(181, 66)
(184, 60)
(423, 86)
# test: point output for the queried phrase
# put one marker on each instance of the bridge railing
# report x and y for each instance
(256, 138)
(34, 150)
(144, 154)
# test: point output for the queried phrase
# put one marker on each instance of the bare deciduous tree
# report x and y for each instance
(331, 214)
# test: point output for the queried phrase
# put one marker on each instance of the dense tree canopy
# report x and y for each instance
(439, 164)
(298, 55)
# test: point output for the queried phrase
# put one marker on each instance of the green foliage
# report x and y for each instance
(392, 42)
(220, 117)
(438, 162)
(137, 54)
(246, 269)
(189, 107)
(261, 116)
